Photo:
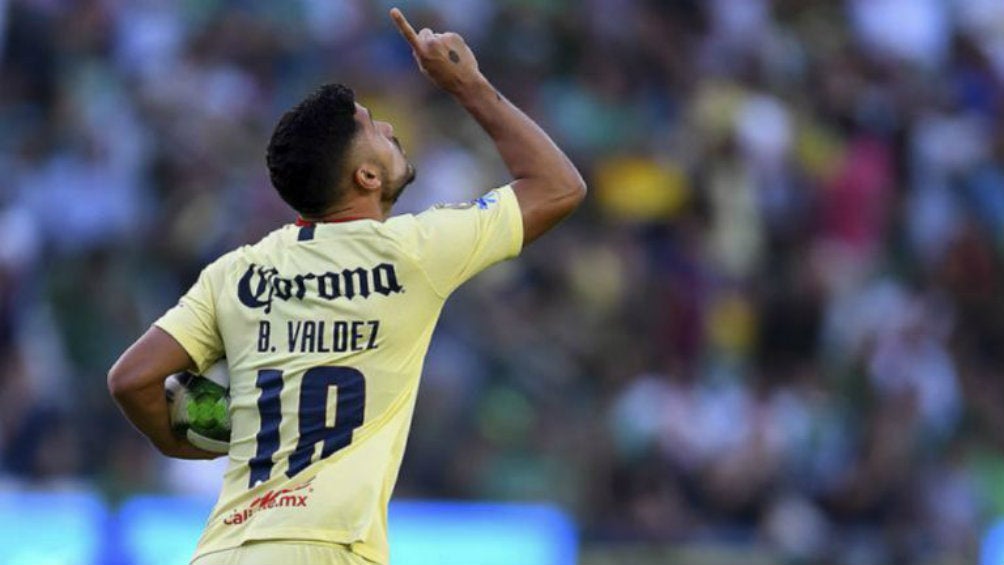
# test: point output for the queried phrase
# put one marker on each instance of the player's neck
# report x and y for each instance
(359, 209)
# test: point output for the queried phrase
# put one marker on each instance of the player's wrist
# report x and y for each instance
(169, 445)
(179, 448)
(473, 89)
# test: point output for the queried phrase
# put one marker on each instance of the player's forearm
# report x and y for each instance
(547, 185)
(136, 382)
(146, 408)
(527, 151)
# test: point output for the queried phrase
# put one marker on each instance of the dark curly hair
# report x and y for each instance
(306, 155)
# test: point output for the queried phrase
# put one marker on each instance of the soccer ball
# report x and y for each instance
(200, 407)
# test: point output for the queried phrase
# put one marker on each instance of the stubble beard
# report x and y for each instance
(391, 196)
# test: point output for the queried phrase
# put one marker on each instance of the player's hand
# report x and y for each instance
(179, 448)
(444, 57)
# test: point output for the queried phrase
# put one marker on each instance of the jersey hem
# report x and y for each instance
(300, 535)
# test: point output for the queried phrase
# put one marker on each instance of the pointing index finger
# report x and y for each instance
(404, 27)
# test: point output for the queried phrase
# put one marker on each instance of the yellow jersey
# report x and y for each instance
(325, 328)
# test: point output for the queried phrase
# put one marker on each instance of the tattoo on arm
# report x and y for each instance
(454, 56)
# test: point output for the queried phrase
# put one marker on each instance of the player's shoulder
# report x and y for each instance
(488, 201)
(239, 257)
(399, 225)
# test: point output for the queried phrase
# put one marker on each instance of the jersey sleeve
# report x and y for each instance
(192, 322)
(458, 241)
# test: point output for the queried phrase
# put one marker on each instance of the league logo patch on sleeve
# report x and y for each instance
(482, 203)
(454, 205)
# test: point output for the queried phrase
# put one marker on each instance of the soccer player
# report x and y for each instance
(325, 323)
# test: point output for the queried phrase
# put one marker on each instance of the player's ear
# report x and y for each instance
(367, 176)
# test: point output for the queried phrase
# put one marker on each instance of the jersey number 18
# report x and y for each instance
(313, 428)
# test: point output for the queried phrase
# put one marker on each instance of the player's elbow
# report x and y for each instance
(577, 189)
(572, 191)
(561, 191)
(118, 385)
(121, 382)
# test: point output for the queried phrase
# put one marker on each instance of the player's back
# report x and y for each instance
(325, 328)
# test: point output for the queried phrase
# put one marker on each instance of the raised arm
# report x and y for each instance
(546, 183)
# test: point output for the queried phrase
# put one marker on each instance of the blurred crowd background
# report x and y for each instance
(777, 324)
